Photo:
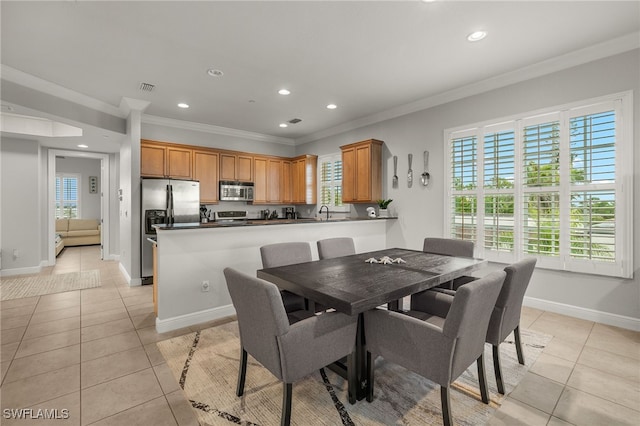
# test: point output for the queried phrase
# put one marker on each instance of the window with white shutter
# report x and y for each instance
(67, 196)
(330, 182)
(555, 184)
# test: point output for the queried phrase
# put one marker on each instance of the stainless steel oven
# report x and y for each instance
(236, 191)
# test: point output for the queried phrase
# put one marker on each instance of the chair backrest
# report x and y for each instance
(448, 247)
(468, 319)
(506, 315)
(283, 254)
(261, 317)
(336, 247)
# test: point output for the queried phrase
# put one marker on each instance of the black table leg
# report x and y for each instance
(357, 373)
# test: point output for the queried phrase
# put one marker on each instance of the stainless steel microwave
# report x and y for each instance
(236, 191)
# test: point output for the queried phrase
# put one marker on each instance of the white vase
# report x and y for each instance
(383, 213)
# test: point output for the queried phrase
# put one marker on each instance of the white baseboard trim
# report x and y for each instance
(133, 282)
(20, 271)
(615, 320)
(181, 321)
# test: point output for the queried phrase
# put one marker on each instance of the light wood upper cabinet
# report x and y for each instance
(152, 160)
(268, 180)
(165, 160)
(236, 166)
(362, 171)
(179, 163)
(205, 169)
(274, 180)
(260, 182)
(285, 187)
(303, 178)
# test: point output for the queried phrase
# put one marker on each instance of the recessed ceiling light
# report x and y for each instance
(83, 146)
(284, 125)
(284, 92)
(214, 72)
(477, 35)
(183, 105)
(427, 1)
(332, 106)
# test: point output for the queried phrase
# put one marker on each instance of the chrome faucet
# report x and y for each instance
(324, 207)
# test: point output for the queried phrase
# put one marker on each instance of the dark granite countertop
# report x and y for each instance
(262, 222)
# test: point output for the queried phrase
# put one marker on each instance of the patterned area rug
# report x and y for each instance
(20, 287)
(206, 365)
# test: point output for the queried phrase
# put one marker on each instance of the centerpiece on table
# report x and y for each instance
(383, 205)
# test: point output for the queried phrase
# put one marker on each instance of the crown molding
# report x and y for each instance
(210, 128)
(27, 80)
(572, 59)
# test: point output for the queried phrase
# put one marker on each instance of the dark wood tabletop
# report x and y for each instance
(352, 286)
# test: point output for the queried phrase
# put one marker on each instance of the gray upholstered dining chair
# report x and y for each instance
(506, 313)
(283, 254)
(438, 348)
(450, 247)
(288, 351)
(336, 247)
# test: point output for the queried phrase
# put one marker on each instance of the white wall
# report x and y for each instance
(420, 209)
(85, 167)
(20, 192)
(234, 143)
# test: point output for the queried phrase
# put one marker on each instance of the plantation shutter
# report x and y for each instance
(464, 181)
(330, 182)
(499, 191)
(593, 185)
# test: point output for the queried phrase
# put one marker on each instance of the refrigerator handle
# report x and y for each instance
(170, 217)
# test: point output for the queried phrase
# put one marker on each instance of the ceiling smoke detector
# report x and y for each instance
(294, 121)
(214, 72)
(147, 87)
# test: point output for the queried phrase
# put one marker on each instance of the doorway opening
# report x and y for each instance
(78, 198)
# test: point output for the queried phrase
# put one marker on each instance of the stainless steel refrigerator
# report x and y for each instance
(165, 201)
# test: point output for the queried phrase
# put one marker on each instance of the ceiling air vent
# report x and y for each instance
(147, 87)
(295, 121)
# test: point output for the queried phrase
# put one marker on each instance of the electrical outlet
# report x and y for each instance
(205, 285)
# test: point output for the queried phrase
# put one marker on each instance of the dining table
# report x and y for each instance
(357, 283)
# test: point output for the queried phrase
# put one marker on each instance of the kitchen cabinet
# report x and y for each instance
(362, 171)
(285, 187)
(179, 163)
(303, 178)
(268, 180)
(260, 180)
(152, 160)
(165, 160)
(206, 170)
(236, 166)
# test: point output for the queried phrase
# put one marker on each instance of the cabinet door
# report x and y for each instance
(227, 166)
(348, 175)
(179, 163)
(152, 160)
(261, 180)
(244, 167)
(285, 186)
(297, 179)
(205, 170)
(363, 173)
(274, 177)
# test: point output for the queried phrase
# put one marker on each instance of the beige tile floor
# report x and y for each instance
(93, 352)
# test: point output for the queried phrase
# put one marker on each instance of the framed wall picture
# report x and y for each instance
(93, 184)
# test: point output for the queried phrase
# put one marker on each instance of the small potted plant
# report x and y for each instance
(383, 205)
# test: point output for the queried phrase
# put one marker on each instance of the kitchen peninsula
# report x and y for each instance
(191, 257)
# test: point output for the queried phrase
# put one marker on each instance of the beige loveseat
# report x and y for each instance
(78, 232)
